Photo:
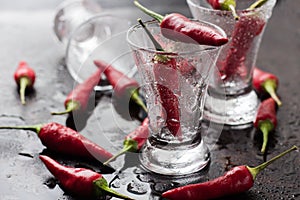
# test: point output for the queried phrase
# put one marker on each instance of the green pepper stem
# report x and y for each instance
(157, 46)
(35, 128)
(124, 150)
(232, 9)
(24, 82)
(155, 15)
(137, 99)
(265, 126)
(71, 106)
(129, 145)
(270, 86)
(255, 170)
(230, 5)
(257, 4)
(102, 186)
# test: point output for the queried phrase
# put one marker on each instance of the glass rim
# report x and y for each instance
(207, 48)
(95, 17)
(192, 3)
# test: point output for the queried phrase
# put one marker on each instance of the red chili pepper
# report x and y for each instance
(61, 139)
(266, 120)
(185, 68)
(167, 82)
(238, 179)
(224, 5)
(80, 181)
(134, 141)
(122, 84)
(266, 82)
(25, 78)
(78, 98)
(245, 30)
(167, 85)
(179, 28)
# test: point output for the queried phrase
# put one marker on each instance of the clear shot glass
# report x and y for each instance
(236, 61)
(82, 26)
(174, 83)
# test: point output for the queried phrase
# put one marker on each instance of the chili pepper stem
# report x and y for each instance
(158, 47)
(124, 150)
(24, 82)
(270, 87)
(255, 170)
(137, 99)
(71, 105)
(35, 128)
(235, 15)
(129, 145)
(257, 4)
(155, 15)
(102, 186)
(265, 127)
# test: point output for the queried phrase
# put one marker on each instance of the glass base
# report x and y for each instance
(237, 112)
(174, 160)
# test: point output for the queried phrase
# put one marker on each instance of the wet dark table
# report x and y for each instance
(26, 34)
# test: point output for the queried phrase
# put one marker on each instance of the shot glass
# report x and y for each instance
(174, 83)
(91, 34)
(236, 61)
(82, 26)
(70, 14)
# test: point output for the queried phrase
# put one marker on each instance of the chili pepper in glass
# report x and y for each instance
(78, 98)
(237, 180)
(122, 84)
(165, 151)
(134, 141)
(25, 78)
(80, 182)
(167, 83)
(235, 62)
(266, 82)
(64, 140)
(266, 120)
(177, 27)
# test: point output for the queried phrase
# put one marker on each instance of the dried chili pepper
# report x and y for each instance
(224, 5)
(80, 181)
(122, 84)
(266, 82)
(25, 78)
(61, 139)
(245, 30)
(238, 179)
(266, 120)
(134, 141)
(167, 82)
(179, 28)
(78, 98)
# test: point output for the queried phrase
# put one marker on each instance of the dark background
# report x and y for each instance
(26, 34)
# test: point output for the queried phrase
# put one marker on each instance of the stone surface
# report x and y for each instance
(26, 34)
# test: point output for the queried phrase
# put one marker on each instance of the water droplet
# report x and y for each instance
(144, 178)
(116, 183)
(51, 183)
(161, 187)
(137, 188)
